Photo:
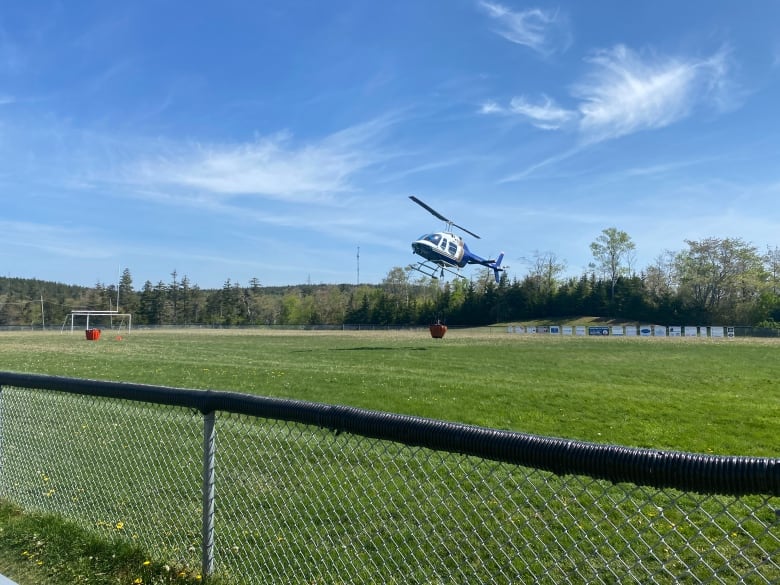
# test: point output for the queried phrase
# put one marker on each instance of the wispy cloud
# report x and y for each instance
(58, 241)
(626, 92)
(544, 114)
(273, 167)
(543, 31)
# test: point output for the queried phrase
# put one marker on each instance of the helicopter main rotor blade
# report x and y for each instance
(460, 227)
(438, 215)
(429, 209)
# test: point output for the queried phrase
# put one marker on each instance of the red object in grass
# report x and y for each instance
(93, 334)
(438, 330)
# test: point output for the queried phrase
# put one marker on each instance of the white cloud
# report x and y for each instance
(543, 31)
(546, 115)
(491, 107)
(626, 92)
(272, 167)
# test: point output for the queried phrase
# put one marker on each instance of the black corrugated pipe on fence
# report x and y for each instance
(718, 474)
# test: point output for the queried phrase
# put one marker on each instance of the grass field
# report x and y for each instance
(701, 395)
(711, 396)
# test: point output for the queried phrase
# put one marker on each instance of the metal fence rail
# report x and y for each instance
(265, 490)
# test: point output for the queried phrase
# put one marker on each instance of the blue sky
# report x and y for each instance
(274, 139)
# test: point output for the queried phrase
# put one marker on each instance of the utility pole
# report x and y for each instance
(43, 319)
(358, 265)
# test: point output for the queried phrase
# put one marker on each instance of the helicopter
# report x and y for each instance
(446, 251)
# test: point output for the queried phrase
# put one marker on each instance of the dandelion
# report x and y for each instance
(120, 525)
(138, 580)
(147, 563)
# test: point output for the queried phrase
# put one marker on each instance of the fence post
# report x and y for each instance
(2, 444)
(207, 525)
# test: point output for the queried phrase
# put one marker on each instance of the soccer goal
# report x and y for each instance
(115, 319)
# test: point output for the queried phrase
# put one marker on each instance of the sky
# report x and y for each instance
(281, 140)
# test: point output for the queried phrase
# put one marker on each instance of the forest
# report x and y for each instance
(721, 281)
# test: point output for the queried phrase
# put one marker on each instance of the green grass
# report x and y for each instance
(712, 396)
(707, 396)
(44, 549)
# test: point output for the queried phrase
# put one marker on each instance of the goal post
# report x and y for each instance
(126, 318)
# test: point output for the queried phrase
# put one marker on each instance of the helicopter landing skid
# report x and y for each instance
(434, 270)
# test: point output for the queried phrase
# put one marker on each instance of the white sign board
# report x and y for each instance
(659, 331)
(716, 332)
(675, 331)
(580, 330)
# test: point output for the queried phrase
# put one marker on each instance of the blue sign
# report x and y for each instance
(598, 330)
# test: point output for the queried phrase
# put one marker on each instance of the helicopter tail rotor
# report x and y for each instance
(496, 266)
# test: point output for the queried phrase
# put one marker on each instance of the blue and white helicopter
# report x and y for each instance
(446, 251)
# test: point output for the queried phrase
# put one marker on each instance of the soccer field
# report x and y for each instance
(304, 500)
(716, 396)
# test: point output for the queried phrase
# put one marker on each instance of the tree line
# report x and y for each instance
(712, 281)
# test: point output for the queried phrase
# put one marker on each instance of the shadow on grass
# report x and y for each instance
(379, 348)
(365, 348)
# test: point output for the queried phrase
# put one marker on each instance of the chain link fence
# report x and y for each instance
(316, 494)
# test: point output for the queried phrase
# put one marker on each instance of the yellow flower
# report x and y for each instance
(147, 563)
(138, 580)
(120, 525)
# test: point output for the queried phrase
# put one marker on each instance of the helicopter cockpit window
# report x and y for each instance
(432, 238)
(443, 245)
(453, 249)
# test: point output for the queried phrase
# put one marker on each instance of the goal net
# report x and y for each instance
(94, 319)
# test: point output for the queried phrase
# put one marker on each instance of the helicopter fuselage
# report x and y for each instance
(444, 249)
